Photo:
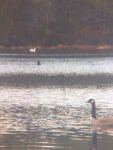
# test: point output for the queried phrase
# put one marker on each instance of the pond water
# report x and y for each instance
(45, 106)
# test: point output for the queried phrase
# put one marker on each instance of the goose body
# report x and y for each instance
(102, 123)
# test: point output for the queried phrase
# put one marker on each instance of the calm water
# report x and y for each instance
(44, 106)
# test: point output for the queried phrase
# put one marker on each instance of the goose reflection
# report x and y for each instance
(93, 144)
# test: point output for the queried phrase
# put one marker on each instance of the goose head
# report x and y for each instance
(91, 101)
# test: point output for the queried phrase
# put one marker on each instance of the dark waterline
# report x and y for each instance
(29, 80)
(58, 56)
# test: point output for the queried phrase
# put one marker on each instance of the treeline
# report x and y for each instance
(53, 22)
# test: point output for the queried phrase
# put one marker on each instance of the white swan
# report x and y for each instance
(32, 50)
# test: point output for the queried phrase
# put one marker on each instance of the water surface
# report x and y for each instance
(44, 106)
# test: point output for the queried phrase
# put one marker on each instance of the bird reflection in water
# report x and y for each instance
(93, 144)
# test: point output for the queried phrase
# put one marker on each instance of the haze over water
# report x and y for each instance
(44, 106)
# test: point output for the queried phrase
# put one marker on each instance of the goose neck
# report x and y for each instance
(93, 112)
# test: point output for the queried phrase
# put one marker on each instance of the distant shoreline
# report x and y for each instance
(78, 49)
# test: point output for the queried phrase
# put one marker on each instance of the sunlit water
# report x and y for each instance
(45, 106)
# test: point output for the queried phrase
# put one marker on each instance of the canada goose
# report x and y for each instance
(102, 123)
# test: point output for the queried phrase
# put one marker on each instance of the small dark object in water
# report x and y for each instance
(38, 62)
